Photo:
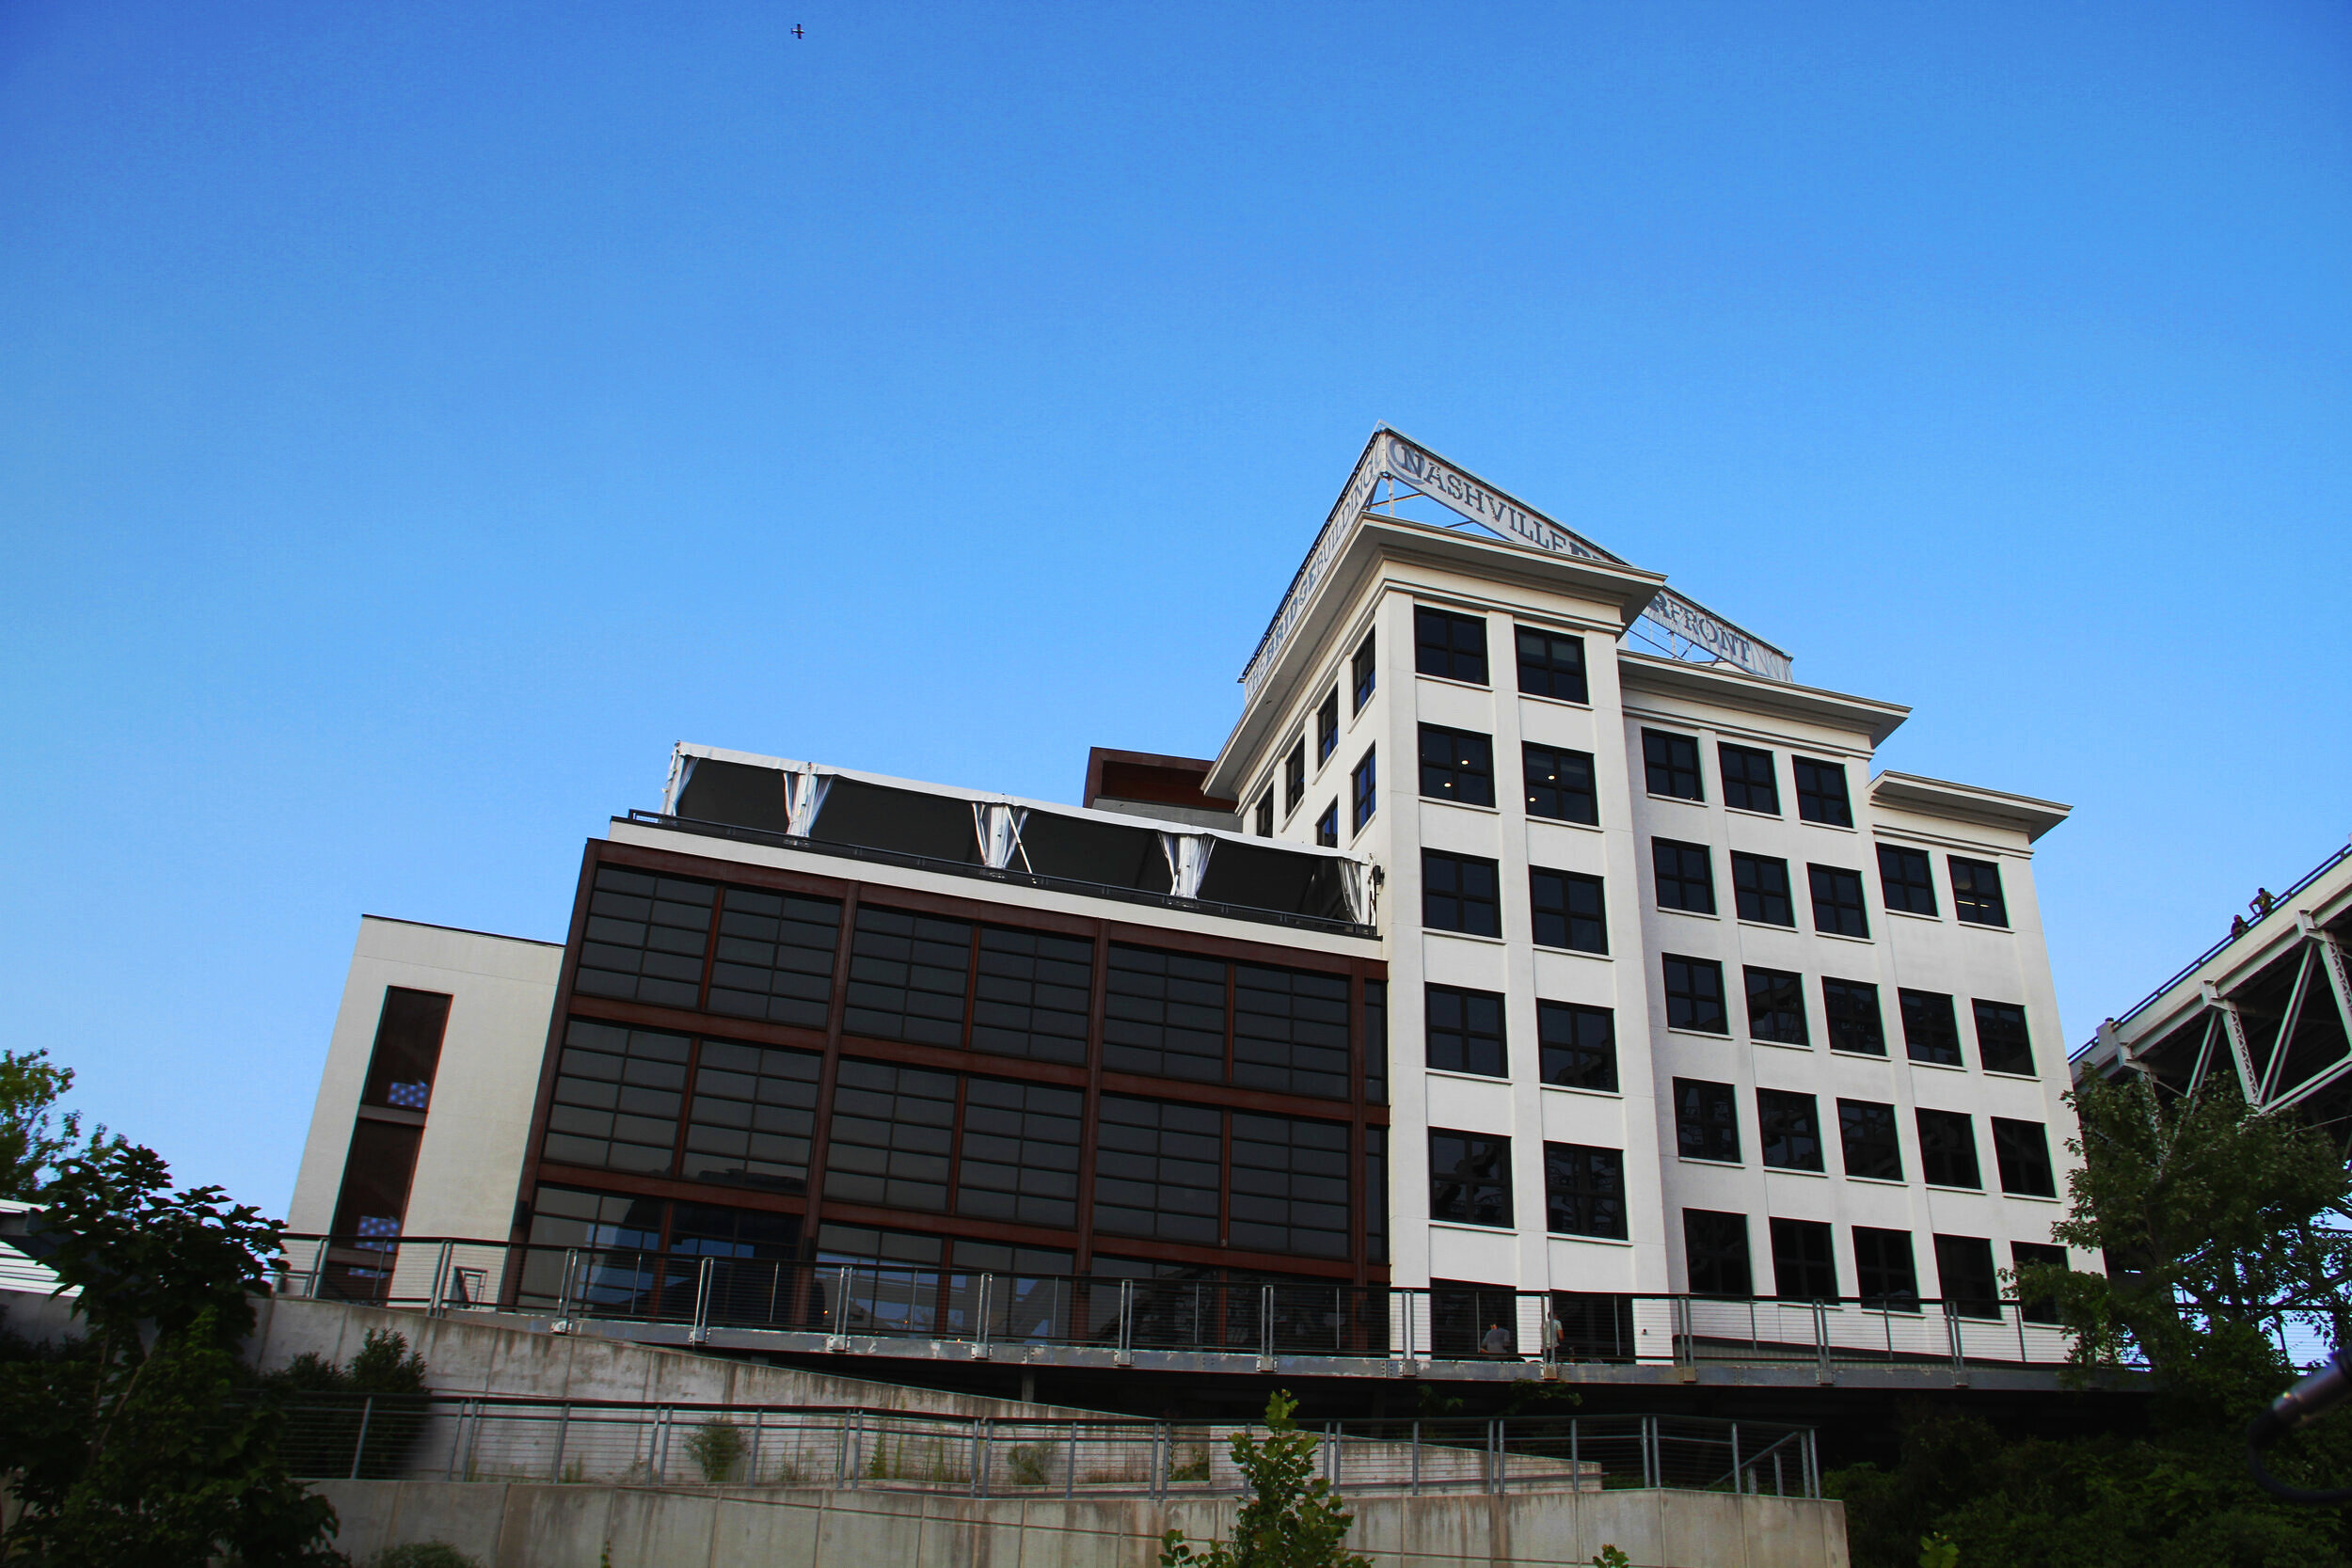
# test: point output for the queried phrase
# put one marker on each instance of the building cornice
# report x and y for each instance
(1967, 803)
(1725, 687)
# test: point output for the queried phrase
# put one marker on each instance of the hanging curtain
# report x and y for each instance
(1187, 861)
(997, 827)
(681, 773)
(809, 788)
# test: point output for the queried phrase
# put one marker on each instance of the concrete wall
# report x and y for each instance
(571, 1527)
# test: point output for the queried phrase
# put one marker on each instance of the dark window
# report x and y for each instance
(1671, 763)
(1686, 876)
(1866, 1128)
(1551, 664)
(1560, 785)
(1328, 827)
(1456, 765)
(1459, 892)
(1821, 792)
(1749, 783)
(1851, 1010)
(1837, 901)
(1365, 670)
(1469, 1178)
(1328, 727)
(753, 1112)
(2022, 1151)
(1906, 881)
(374, 1201)
(1578, 1045)
(1706, 1121)
(1595, 1325)
(1977, 892)
(617, 1097)
(1030, 999)
(1583, 1191)
(1377, 1041)
(1568, 911)
(907, 977)
(1454, 646)
(1694, 995)
(2024, 1255)
(1265, 814)
(1465, 1032)
(646, 938)
(775, 957)
(1759, 889)
(1465, 1317)
(1290, 1186)
(1164, 1014)
(1290, 1031)
(1882, 1272)
(1948, 1150)
(1777, 1007)
(1965, 1273)
(408, 1051)
(1019, 1159)
(1789, 1130)
(1715, 1246)
(1376, 1194)
(1155, 1169)
(2001, 1042)
(1293, 778)
(1365, 784)
(1931, 1033)
(1804, 1261)
(889, 1131)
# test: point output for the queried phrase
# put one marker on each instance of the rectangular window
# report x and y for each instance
(1377, 1041)
(1030, 999)
(1460, 892)
(1884, 1276)
(1706, 1121)
(753, 1113)
(1930, 1032)
(1866, 1129)
(1583, 1191)
(1749, 781)
(1164, 1014)
(1265, 814)
(408, 1049)
(2020, 1151)
(1551, 664)
(1449, 645)
(908, 974)
(1293, 778)
(1685, 875)
(1694, 995)
(2001, 1042)
(372, 1204)
(1560, 785)
(1156, 1170)
(890, 1135)
(618, 1093)
(1457, 766)
(2026, 1255)
(1328, 727)
(1804, 1261)
(646, 938)
(1837, 901)
(1578, 1045)
(1821, 792)
(1469, 1178)
(1715, 1249)
(1568, 911)
(1289, 1186)
(1948, 1150)
(1977, 892)
(1290, 1031)
(1595, 1325)
(1671, 765)
(1965, 1273)
(1777, 1007)
(1851, 1010)
(1364, 670)
(1018, 1160)
(1760, 888)
(1906, 879)
(1788, 1128)
(1465, 1031)
(1376, 1194)
(1328, 827)
(775, 957)
(1364, 784)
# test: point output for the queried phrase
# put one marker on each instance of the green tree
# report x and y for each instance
(34, 1134)
(1293, 1518)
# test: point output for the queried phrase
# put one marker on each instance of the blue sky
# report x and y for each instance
(414, 419)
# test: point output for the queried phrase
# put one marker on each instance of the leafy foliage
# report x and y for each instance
(378, 1399)
(1293, 1519)
(716, 1448)
(34, 1134)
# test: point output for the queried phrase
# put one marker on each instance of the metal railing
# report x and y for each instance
(868, 1307)
(452, 1437)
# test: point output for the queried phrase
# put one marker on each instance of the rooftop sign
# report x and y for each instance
(1415, 471)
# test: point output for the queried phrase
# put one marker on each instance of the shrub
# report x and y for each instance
(1028, 1463)
(716, 1448)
